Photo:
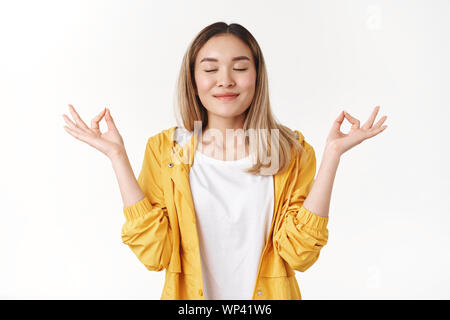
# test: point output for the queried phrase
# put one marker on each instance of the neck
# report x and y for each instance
(222, 124)
(214, 136)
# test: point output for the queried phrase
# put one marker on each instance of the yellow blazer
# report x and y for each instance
(161, 228)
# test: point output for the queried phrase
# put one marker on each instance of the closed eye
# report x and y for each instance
(233, 69)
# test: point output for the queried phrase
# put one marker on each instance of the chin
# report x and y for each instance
(226, 112)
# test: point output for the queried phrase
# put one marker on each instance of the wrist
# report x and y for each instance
(117, 155)
(331, 150)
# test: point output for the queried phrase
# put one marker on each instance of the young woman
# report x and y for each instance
(231, 226)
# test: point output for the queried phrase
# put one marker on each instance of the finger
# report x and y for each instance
(338, 122)
(368, 124)
(109, 120)
(69, 122)
(81, 135)
(77, 118)
(376, 131)
(380, 122)
(95, 121)
(75, 132)
(352, 120)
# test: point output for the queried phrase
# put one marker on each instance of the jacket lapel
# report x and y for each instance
(181, 159)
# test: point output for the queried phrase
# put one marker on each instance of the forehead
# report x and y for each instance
(223, 48)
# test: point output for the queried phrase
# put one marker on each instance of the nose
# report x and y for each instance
(225, 78)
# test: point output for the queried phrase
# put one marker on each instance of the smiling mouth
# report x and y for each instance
(227, 98)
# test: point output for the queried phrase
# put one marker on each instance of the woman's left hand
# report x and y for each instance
(341, 142)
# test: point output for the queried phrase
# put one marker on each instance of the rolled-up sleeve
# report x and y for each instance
(147, 230)
(301, 234)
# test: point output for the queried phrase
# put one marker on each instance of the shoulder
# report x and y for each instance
(304, 142)
(291, 133)
(167, 137)
(298, 135)
(158, 140)
(307, 152)
(181, 135)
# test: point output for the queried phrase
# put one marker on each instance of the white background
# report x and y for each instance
(61, 214)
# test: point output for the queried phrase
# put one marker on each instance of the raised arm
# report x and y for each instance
(303, 230)
(318, 200)
(111, 144)
(147, 229)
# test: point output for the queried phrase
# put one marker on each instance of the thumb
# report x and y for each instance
(338, 122)
(109, 120)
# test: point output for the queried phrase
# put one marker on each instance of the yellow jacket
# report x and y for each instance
(161, 228)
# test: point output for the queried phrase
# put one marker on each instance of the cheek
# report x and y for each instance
(204, 83)
(247, 82)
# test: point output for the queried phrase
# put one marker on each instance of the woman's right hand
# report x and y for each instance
(109, 143)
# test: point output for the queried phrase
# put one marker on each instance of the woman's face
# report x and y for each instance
(225, 64)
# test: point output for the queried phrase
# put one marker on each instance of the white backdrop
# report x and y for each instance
(61, 214)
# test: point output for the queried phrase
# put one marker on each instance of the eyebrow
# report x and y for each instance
(234, 59)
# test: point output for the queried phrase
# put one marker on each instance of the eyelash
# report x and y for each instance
(233, 69)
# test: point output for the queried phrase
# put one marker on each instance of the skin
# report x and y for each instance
(109, 142)
(222, 116)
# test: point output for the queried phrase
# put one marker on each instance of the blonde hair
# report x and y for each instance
(257, 116)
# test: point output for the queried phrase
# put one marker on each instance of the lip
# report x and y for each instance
(227, 97)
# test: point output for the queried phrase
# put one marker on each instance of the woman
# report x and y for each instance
(234, 226)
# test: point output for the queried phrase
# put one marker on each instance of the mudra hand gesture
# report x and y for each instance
(341, 142)
(109, 143)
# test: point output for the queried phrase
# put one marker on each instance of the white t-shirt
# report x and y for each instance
(234, 213)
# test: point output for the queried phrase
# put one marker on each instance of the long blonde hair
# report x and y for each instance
(257, 116)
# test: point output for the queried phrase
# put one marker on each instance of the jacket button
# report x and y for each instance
(170, 165)
(259, 292)
(200, 292)
(181, 153)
